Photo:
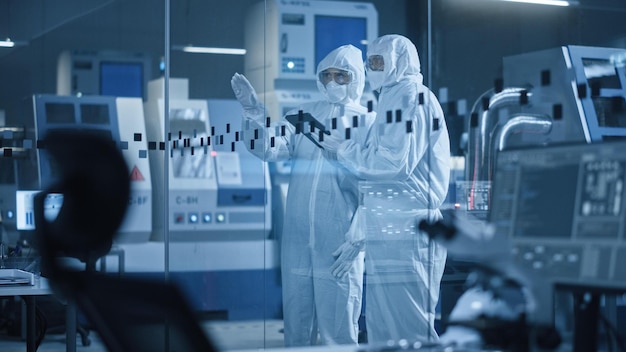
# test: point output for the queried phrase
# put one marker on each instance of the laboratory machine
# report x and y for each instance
(551, 256)
(543, 166)
(217, 191)
(285, 40)
(10, 139)
(218, 206)
(562, 208)
(583, 90)
(119, 119)
(103, 72)
(561, 95)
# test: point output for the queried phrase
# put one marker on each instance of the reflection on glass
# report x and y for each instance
(601, 73)
(192, 161)
(190, 166)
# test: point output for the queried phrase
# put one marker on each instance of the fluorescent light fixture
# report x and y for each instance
(210, 50)
(544, 2)
(7, 43)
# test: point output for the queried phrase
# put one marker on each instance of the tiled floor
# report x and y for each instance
(245, 335)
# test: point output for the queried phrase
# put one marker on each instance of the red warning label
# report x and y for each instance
(135, 174)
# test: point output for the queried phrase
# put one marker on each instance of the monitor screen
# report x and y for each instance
(334, 31)
(563, 208)
(574, 191)
(59, 113)
(601, 73)
(97, 114)
(121, 79)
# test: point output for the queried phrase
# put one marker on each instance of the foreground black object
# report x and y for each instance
(128, 314)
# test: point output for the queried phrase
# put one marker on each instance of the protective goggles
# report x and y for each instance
(375, 63)
(339, 76)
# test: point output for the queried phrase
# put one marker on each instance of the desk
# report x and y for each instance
(29, 294)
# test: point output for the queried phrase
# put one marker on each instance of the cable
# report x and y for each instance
(612, 331)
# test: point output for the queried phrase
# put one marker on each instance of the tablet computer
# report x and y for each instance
(307, 124)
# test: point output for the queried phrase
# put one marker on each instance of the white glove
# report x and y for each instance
(245, 93)
(349, 250)
(344, 258)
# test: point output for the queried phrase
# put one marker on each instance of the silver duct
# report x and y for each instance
(487, 135)
(522, 123)
(519, 123)
(480, 135)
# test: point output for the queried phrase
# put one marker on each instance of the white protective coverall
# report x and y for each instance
(321, 202)
(405, 163)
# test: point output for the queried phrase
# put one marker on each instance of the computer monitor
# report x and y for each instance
(563, 208)
(103, 72)
(332, 32)
(285, 40)
(122, 79)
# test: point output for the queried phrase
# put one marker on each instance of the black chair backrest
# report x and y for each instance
(129, 314)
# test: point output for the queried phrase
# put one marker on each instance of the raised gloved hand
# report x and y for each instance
(344, 258)
(245, 93)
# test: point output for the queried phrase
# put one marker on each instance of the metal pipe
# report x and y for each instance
(489, 122)
(526, 123)
(480, 136)
(472, 134)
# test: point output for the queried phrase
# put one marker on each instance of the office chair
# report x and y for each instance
(128, 314)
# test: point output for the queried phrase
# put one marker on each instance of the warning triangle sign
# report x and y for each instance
(135, 174)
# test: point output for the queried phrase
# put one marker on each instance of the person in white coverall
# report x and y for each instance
(321, 202)
(405, 163)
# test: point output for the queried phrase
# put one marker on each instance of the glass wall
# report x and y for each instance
(222, 245)
(83, 66)
(255, 218)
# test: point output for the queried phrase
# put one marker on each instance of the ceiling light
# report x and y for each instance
(210, 50)
(545, 2)
(7, 43)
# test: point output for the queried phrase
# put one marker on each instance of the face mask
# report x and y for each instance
(336, 92)
(376, 79)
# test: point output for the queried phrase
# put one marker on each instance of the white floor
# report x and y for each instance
(243, 336)
(227, 336)
(246, 335)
